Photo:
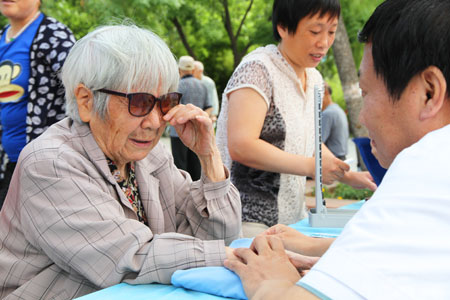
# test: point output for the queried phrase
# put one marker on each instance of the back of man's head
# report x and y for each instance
(186, 64)
(407, 36)
(198, 69)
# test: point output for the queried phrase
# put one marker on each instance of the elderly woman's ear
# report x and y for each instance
(85, 101)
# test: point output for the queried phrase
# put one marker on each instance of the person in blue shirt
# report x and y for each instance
(334, 126)
(33, 48)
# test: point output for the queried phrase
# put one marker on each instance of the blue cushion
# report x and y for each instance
(213, 280)
(223, 282)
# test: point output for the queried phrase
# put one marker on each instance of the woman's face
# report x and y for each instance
(123, 137)
(19, 9)
(310, 43)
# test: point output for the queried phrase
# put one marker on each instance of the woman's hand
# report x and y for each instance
(297, 242)
(359, 180)
(195, 130)
(303, 263)
(333, 169)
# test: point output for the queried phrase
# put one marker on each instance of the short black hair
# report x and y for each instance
(287, 13)
(408, 36)
(329, 89)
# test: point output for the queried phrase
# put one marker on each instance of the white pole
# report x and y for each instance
(320, 202)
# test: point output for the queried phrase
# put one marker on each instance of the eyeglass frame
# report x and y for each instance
(130, 96)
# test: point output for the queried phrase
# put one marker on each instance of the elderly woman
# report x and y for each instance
(96, 200)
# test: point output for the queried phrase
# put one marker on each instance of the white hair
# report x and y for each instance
(198, 65)
(122, 58)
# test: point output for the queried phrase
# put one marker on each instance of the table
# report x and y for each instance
(168, 292)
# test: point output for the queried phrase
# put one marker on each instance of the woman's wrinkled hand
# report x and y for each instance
(194, 128)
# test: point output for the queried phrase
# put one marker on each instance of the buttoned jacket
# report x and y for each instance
(67, 228)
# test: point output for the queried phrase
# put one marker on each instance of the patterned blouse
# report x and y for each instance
(130, 188)
(269, 197)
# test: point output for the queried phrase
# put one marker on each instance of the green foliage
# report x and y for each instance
(203, 25)
(355, 14)
(343, 191)
(71, 14)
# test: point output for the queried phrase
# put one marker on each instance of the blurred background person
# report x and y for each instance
(194, 92)
(33, 48)
(334, 125)
(210, 88)
(265, 130)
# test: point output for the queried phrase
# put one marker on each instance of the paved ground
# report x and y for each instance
(331, 203)
(166, 141)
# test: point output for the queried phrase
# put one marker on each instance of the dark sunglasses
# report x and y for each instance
(141, 104)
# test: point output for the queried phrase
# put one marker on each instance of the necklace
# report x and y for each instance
(12, 38)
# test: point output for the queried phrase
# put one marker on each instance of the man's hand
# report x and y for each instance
(269, 262)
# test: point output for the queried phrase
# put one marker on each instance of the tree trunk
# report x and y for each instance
(349, 78)
(237, 55)
(183, 38)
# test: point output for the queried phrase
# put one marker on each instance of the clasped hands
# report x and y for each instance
(268, 260)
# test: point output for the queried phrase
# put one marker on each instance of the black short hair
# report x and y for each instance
(287, 13)
(329, 89)
(408, 36)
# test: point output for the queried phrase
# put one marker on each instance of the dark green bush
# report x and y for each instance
(343, 191)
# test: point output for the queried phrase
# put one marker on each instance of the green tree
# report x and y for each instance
(217, 32)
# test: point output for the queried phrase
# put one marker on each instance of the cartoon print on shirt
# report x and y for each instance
(9, 92)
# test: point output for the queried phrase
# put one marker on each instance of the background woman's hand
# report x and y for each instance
(333, 169)
(359, 180)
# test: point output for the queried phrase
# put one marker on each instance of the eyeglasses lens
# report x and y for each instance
(141, 104)
(169, 101)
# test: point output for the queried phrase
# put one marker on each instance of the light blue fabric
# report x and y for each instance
(147, 291)
(203, 283)
(312, 290)
(212, 280)
(222, 282)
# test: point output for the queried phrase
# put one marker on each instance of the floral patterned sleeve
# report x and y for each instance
(48, 52)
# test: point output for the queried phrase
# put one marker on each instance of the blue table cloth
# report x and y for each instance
(203, 283)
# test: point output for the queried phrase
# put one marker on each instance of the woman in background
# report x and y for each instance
(266, 126)
(33, 48)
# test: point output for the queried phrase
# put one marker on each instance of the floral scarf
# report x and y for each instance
(130, 188)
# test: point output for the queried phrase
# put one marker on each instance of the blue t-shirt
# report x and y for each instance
(14, 76)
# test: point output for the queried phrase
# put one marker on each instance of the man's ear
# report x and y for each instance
(435, 88)
(85, 102)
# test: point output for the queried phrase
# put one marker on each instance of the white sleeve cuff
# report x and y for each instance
(329, 286)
